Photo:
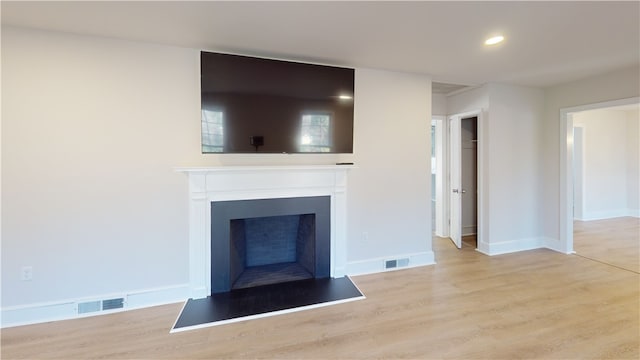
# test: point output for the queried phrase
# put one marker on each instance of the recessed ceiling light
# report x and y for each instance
(494, 40)
(345, 97)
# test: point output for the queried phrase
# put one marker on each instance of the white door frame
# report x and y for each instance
(441, 137)
(566, 167)
(578, 171)
(482, 148)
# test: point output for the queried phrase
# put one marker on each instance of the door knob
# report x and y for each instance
(463, 191)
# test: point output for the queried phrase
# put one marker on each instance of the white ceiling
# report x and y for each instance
(546, 42)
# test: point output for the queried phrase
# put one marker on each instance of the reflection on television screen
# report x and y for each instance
(270, 106)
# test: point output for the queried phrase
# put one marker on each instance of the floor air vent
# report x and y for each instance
(100, 305)
(113, 304)
(396, 263)
(89, 306)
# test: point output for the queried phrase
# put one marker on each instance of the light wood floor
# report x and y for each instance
(612, 241)
(534, 304)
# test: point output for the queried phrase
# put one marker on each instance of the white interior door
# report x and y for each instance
(455, 163)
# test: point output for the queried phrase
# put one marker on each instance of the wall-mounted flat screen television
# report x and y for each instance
(256, 105)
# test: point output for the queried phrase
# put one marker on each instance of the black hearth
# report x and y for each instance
(267, 241)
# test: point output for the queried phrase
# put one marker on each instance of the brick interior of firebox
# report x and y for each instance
(273, 249)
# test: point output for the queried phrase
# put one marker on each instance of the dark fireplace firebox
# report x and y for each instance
(267, 241)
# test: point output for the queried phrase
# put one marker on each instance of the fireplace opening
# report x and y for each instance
(272, 249)
(267, 241)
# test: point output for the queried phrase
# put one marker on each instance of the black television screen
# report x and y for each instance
(261, 105)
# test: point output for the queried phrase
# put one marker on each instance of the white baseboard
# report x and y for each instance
(377, 265)
(37, 313)
(609, 214)
(68, 309)
(506, 247)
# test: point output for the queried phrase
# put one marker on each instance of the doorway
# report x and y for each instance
(567, 176)
(465, 169)
(606, 205)
(469, 177)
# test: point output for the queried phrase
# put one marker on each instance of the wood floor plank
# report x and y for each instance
(613, 241)
(535, 304)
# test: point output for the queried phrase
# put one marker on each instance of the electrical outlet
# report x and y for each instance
(26, 273)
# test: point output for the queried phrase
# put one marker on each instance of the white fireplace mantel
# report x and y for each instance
(226, 183)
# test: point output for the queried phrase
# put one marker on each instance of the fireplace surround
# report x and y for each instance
(211, 185)
(265, 241)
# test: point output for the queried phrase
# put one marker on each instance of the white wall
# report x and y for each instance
(604, 168)
(469, 100)
(620, 84)
(633, 163)
(514, 167)
(509, 162)
(438, 104)
(388, 198)
(92, 131)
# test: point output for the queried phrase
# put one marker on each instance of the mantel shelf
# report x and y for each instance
(232, 168)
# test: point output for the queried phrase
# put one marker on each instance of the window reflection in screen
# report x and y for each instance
(315, 133)
(212, 131)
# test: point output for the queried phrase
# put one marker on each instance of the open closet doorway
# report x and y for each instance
(463, 179)
(469, 183)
